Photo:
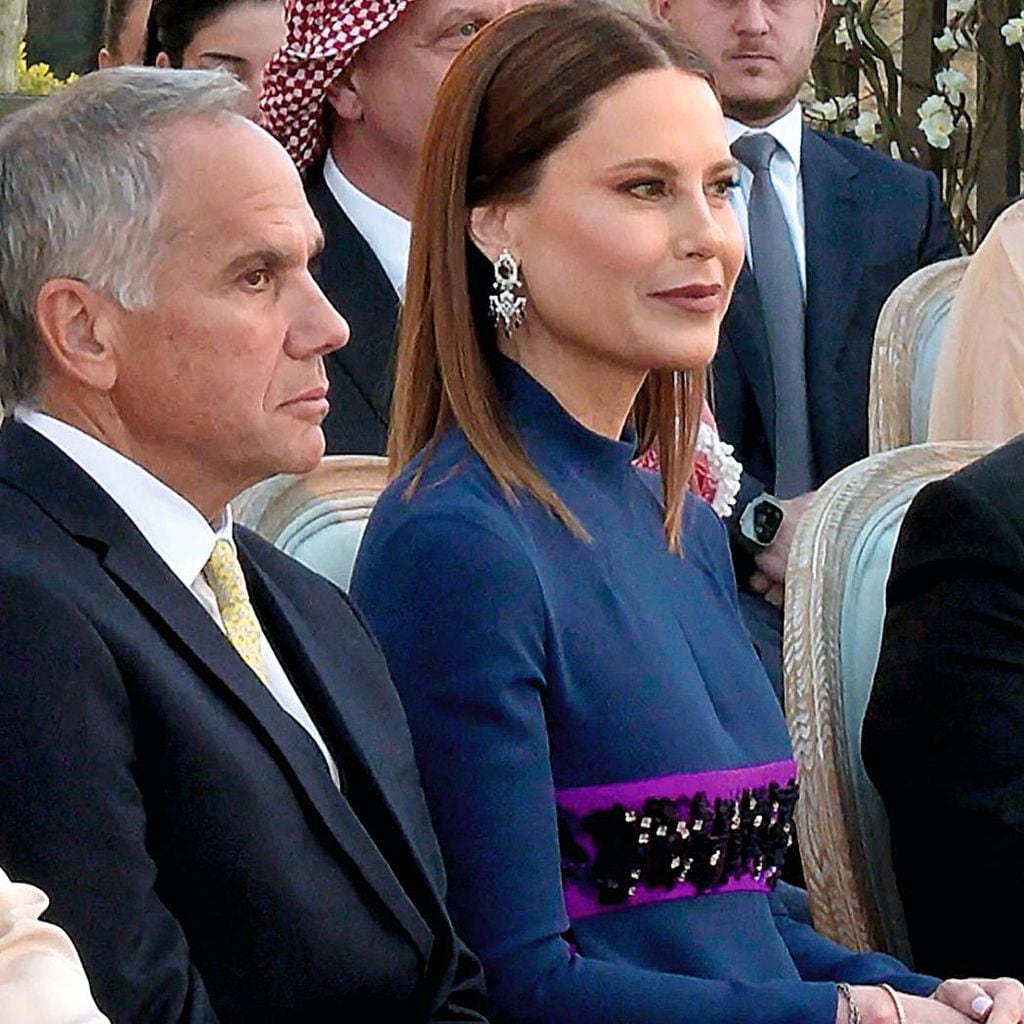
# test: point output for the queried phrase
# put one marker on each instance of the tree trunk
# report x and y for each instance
(13, 21)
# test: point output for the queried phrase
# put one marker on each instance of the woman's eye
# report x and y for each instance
(468, 29)
(648, 189)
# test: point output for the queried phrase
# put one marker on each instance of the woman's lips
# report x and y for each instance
(693, 298)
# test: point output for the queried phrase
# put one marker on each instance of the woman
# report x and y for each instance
(239, 36)
(608, 769)
(979, 381)
(41, 977)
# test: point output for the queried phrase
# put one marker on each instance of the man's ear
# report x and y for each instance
(104, 59)
(492, 228)
(661, 10)
(162, 60)
(825, 17)
(343, 95)
(77, 330)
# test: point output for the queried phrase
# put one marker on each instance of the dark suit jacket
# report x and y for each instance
(362, 372)
(184, 825)
(944, 734)
(869, 222)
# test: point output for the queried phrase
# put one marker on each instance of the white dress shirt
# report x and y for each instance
(388, 234)
(176, 531)
(785, 172)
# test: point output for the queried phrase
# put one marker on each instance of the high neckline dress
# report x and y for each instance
(592, 724)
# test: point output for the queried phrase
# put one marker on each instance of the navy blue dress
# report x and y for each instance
(607, 766)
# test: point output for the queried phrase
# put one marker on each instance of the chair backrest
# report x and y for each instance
(834, 613)
(318, 518)
(908, 339)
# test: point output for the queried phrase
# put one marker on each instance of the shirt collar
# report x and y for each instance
(174, 528)
(387, 233)
(786, 130)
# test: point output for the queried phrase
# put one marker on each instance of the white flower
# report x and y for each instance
(843, 38)
(950, 40)
(936, 121)
(931, 106)
(823, 110)
(831, 110)
(1013, 31)
(724, 469)
(952, 83)
(959, 6)
(866, 126)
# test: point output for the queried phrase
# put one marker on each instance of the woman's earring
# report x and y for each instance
(507, 308)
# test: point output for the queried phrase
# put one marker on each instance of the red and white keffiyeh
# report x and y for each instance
(323, 36)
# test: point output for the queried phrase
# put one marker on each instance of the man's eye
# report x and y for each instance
(724, 186)
(256, 279)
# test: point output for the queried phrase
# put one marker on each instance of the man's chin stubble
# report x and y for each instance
(758, 110)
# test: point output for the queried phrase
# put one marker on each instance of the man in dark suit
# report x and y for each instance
(944, 733)
(204, 762)
(354, 121)
(832, 228)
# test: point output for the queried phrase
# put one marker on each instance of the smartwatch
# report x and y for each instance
(760, 522)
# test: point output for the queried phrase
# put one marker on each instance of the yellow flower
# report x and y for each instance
(37, 79)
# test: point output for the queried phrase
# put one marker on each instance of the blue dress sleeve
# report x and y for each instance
(460, 613)
(818, 958)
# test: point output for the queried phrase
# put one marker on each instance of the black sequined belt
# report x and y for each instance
(675, 837)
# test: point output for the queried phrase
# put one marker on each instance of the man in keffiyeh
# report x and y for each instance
(349, 95)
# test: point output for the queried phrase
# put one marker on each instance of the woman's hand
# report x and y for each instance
(876, 1007)
(994, 1001)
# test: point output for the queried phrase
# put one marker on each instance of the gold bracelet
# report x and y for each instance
(901, 1017)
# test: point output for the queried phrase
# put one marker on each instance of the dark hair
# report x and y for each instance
(173, 24)
(115, 15)
(520, 89)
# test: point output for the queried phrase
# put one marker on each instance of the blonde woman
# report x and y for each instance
(979, 381)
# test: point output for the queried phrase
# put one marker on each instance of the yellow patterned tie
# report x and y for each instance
(224, 574)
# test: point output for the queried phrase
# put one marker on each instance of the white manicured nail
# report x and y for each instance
(981, 1005)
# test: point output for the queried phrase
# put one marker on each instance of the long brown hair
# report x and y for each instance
(513, 96)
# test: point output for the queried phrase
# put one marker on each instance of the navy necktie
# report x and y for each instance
(777, 274)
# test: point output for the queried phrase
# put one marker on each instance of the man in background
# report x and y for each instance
(349, 96)
(832, 227)
(124, 32)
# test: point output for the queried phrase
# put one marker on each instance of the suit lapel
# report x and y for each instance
(355, 283)
(72, 498)
(834, 242)
(744, 331)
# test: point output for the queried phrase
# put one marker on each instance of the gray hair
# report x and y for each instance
(81, 184)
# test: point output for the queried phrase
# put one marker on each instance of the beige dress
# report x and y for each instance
(979, 380)
(41, 977)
